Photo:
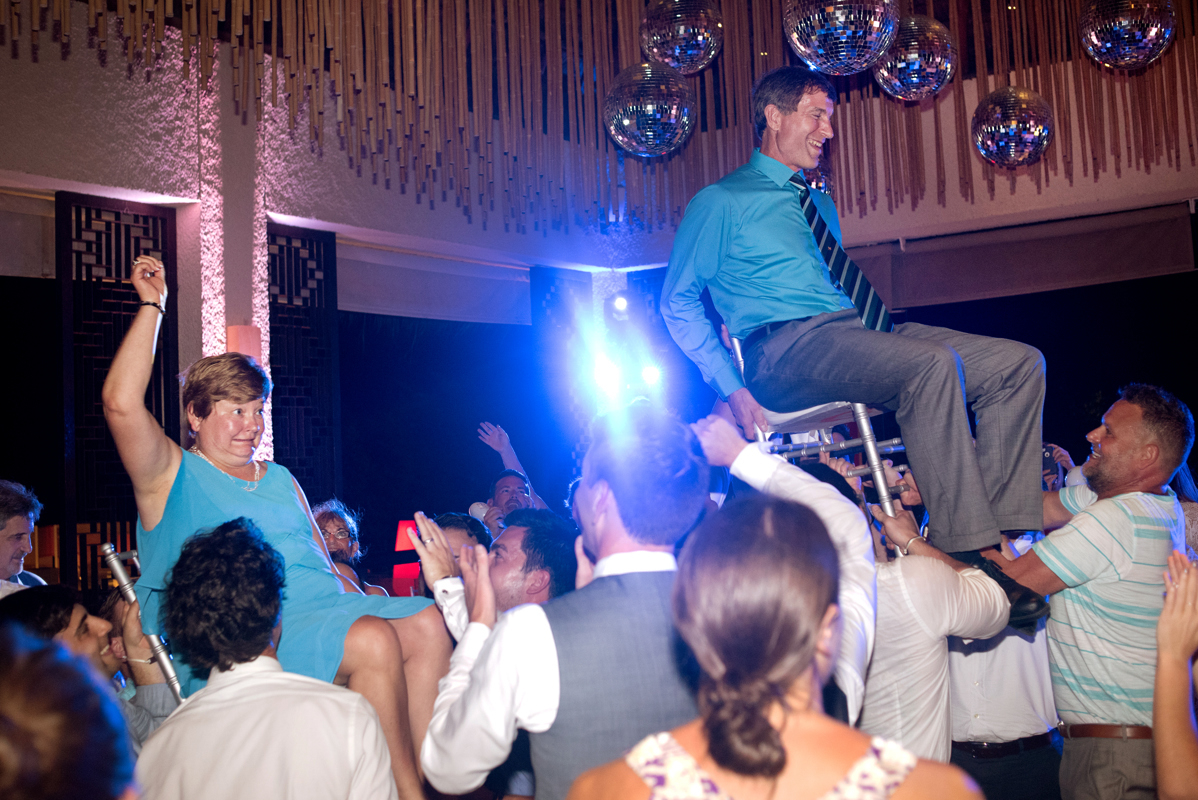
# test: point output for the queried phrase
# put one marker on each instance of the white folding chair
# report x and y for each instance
(823, 417)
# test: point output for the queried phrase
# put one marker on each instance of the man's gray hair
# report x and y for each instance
(17, 501)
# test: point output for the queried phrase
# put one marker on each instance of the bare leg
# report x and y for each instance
(426, 649)
(373, 666)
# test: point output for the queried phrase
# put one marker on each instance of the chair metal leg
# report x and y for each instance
(866, 431)
(739, 359)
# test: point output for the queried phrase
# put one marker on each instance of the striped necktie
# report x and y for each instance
(846, 275)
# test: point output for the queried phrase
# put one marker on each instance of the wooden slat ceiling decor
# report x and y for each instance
(492, 105)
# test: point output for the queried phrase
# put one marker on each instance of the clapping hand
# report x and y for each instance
(476, 578)
(1177, 629)
(436, 556)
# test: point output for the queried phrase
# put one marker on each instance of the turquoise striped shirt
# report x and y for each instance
(1102, 630)
(744, 238)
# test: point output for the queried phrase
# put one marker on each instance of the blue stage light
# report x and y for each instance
(620, 303)
(650, 374)
(607, 375)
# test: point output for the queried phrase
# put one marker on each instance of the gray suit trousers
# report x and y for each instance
(927, 376)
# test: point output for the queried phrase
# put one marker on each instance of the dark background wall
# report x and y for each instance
(413, 391)
(1094, 339)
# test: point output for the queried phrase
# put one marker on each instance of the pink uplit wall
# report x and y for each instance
(212, 222)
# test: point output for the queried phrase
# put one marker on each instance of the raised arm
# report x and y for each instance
(497, 439)
(1175, 733)
(150, 458)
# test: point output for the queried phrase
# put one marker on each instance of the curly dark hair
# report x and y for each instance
(548, 545)
(224, 596)
(1167, 419)
(754, 583)
(62, 736)
(45, 611)
(17, 501)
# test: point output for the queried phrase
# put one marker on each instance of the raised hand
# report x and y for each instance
(1061, 456)
(149, 280)
(493, 519)
(494, 437)
(436, 556)
(476, 578)
(1177, 629)
(901, 529)
(721, 442)
(842, 466)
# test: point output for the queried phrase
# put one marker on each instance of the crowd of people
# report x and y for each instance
(1006, 632)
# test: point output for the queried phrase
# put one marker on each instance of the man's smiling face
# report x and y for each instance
(16, 542)
(797, 138)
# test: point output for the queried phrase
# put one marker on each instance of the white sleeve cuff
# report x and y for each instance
(450, 596)
(755, 466)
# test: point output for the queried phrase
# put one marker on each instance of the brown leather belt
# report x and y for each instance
(1106, 731)
(1003, 749)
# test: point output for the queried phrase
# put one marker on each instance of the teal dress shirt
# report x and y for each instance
(744, 238)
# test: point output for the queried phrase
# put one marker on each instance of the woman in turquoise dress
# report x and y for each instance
(390, 650)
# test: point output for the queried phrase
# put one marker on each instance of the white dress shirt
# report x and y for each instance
(849, 531)
(1001, 688)
(256, 731)
(500, 681)
(450, 596)
(921, 602)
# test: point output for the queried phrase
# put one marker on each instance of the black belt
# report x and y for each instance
(1002, 749)
(765, 330)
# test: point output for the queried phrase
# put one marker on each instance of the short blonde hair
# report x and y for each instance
(229, 376)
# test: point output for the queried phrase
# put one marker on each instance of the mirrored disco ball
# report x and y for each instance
(840, 37)
(685, 34)
(920, 62)
(1012, 127)
(650, 109)
(1126, 34)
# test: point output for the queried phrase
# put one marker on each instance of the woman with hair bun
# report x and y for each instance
(755, 600)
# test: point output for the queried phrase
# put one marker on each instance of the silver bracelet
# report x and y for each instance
(140, 660)
(905, 550)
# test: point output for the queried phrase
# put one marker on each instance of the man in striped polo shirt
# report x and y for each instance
(1103, 567)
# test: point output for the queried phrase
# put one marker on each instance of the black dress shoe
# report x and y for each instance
(1027, 607)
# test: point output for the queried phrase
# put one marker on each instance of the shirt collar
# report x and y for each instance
(258, 666)
(636, 561)
(772, 168)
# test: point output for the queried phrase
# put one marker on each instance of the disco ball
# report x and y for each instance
(685, 34)
(840, 37)
(650, 109)
(1012, 127)
(1126, 34)
(920, 62)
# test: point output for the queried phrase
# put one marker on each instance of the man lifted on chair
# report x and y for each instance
(767, 246)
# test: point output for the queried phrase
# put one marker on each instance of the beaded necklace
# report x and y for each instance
(249, 487)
